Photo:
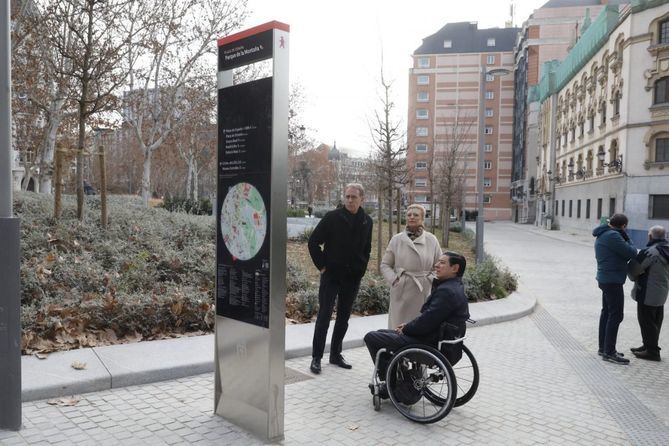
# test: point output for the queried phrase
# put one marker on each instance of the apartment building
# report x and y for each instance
(604, 138)
(444, 90)
(546, 35)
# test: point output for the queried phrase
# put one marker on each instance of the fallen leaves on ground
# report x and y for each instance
(77, 365)
(64, 401)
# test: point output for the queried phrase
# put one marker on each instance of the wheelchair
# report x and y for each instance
(424, 383)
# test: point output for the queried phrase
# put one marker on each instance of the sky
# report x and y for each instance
(336, 49)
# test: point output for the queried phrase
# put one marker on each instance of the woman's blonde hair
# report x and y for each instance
(419, 207)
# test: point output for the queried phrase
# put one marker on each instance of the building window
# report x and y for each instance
(581, 129)
(612, 206)
(616, 105)
(488, 131)
(422, 79)
(563, 208)
(487, 182)
(421, 165)
(488, 148)
(578, 208)
(661, 91)
(421, 198)
(489, 78)
(599, 209)
(487, 164)
(423, 96)
(491, 41)
(421, 113)
(421, 148)
(591, 123)
(490, 60)
(421, 131)
(658, 207)
(423, 62)
(556, 207)
(571, 207)
(421, 182)
(662, 150)
(448, 44)
(573, 134)
(489, 113)
(587, 209)
(487, 199)
(664, 32)
(490, 95)
(603, 114)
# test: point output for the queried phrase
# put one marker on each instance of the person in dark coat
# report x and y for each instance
(446, 303)
(346, 237)
(613, 249)
(650, 272)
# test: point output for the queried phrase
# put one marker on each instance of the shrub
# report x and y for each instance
(303, 305)
(296, 279)
(295, 212)
(373, 296)
(303, 236)
(187, 205)
(487, 281)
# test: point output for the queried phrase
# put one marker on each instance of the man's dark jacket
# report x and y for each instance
(347, 240)
(447, 303)
(612, 249)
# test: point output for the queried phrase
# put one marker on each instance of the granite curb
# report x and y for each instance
(145, 362)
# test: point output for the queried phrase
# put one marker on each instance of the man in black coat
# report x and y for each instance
(346, 236)
(446, 303)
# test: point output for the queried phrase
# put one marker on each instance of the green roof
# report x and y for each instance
(555, 77)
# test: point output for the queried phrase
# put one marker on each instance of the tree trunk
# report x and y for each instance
(445, 225)
(379, 235)
(196, 192)
(189, 176)
(390, 212)
(103, 187)
(57, 173)
(399, 209)
(81, 141)
(146, 178)
(55, 118)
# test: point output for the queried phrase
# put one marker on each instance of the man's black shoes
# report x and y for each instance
(601, 353)
(315, 366)
(340, 361)
(614, 358)
(638, 349)
(645, 354)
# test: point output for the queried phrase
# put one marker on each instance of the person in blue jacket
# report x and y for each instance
(613, 249)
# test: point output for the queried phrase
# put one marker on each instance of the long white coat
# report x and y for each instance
(411, 262)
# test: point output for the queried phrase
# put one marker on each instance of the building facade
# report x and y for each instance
(604, 126)
(546, 35)
(444, 90)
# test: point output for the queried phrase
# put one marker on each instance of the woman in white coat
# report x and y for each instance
(407, 267)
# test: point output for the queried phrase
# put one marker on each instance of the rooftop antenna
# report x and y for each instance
(512, 15)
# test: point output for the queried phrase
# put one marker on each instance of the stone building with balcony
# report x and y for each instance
(603, 129)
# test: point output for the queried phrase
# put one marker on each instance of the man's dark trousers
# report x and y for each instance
(613, 301)
(388, 339)
(650, 322)
(340, 287)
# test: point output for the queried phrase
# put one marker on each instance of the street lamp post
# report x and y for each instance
(481, 152)
(10, 301)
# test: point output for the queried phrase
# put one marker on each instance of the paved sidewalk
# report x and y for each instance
(145, 362)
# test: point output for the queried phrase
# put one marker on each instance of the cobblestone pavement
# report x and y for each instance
(541, 383)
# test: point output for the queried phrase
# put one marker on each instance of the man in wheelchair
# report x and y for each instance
(443, 316)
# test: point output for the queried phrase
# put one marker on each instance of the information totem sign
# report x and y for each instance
(251, 231)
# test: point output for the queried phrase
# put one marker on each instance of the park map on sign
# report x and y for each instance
(243, 221)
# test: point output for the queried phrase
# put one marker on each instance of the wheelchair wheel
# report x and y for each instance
(421, 384)
(466, 376)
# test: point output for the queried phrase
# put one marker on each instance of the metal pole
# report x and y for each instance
(550, 217)
(479, 196)
(10, 301)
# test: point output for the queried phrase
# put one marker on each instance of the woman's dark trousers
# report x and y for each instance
(613, 301)
(341, 288)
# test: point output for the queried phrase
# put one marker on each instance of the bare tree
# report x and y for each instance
(98, 34)
(389, 158)
(168, 62)
(449, 165)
